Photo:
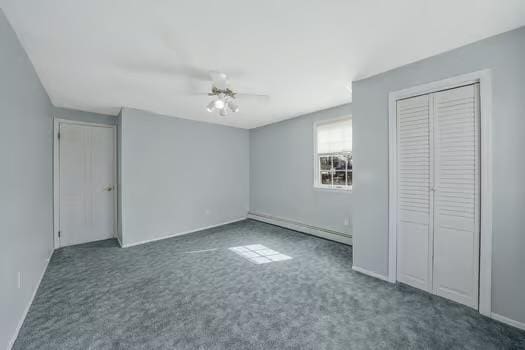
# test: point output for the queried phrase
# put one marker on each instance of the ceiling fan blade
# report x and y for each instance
(198, 93)
(252, 96)
(220, 80)
(166, 69)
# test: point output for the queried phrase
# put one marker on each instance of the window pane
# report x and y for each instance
(350, 163)
(349, 178)
(340, 162)
(340, 178)
(326, 178)
(326, 163)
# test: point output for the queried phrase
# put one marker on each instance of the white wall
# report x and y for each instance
(26, 227)
(505, 55)
(282, 177)
(179, 175)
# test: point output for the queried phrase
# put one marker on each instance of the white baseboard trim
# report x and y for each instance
(180, 233)
(370, 273)
(298, 226)
(119, 242)
(508, 321)
(21, 322)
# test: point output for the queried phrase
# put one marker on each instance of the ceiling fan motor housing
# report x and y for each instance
(226, 92)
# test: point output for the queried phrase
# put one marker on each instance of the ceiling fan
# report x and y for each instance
(225, 99)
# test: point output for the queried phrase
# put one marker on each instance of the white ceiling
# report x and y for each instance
(99, 55)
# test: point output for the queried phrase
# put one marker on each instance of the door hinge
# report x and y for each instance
(58, 135)
(59, 234)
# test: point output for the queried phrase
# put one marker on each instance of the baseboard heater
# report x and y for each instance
(305, 228)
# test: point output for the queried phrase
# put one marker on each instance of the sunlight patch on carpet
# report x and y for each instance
(259, 254)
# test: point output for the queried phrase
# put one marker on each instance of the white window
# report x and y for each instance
(333, 154)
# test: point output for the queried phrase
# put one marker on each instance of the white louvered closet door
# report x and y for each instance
(414, 243)
(457, 189)
(439, 193)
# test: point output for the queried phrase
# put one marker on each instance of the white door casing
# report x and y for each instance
(484, 78)
(85, 178)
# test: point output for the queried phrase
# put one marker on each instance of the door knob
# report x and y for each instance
(109, 188)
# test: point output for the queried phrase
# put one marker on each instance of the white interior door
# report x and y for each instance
(414, 244)
(438, 166)
(86, 183)
(457, 202)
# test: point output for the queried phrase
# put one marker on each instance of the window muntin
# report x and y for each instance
(333, 154)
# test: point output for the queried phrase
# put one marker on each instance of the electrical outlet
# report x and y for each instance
(19, 280)
(347, 222)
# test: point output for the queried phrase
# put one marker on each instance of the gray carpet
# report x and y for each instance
(173, 295)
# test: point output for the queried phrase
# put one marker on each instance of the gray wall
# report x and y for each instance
(26, 228)
(282, 177)
(505, 55)
(180, 175)
(81, 116)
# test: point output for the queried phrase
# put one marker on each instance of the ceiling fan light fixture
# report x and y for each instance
(219, 103)
(233, 106)
(211, 106)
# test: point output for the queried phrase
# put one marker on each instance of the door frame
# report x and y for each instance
(56, 174)
(484, 78)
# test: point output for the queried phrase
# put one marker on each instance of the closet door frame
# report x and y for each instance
(484, 78)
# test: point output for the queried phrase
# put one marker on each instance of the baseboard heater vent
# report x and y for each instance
(305, 228)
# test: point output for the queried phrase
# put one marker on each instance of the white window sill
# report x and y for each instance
(333, 189)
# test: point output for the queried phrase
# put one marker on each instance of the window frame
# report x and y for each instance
(317, 158)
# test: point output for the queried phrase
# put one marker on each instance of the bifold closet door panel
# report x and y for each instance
(414, 242)
(457, 189)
